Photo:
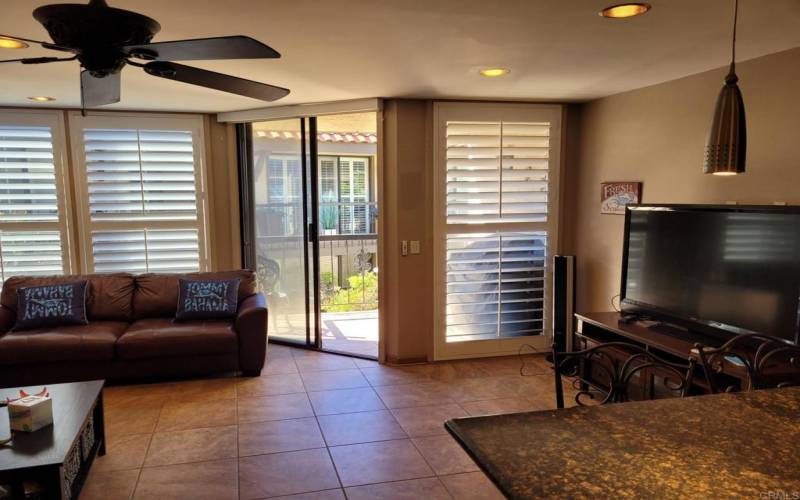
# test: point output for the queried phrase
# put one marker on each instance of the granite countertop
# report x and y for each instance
(723, 445)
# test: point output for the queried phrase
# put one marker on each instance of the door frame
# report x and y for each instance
(244, 145)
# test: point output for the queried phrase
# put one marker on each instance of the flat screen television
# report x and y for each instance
(717, 270)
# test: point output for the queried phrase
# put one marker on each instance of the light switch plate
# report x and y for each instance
(404, 248)
(414, 247)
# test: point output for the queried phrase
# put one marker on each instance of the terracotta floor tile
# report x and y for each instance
(330, 380)
(275, 436)
(279, 407)
(139, 396)
(345, 401)
(379, 462)
(427, 420)
(123, 452)
(176, 416)
(472, 486)
(216, 480)
(276, 366)
(390, 375)
(365, 363)
(131, 420)
(444, 455)
(323, 362)
(500, 406)
(111, 485)
(336, 494)
(270, 385)
(363, 427)
(477, 389)
(401, 396)
(279, 351)
(286, 474)
(208, 390)
(194, 445)
(415, 489)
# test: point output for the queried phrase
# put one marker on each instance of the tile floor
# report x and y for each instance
(313, 426)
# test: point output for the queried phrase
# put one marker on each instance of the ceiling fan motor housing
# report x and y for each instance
(97, 32)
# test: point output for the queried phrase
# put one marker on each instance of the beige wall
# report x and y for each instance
(223, 195)
(656, 135)
(407, 307)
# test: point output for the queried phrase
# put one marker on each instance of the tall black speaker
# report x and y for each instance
(563, 301)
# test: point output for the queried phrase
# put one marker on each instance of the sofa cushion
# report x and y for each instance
(207, 299)
(51, 305)
(156, 295)
(109, 297)
(92, 342)
(161, 337)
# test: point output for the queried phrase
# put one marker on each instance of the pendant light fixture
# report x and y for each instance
(726, 147)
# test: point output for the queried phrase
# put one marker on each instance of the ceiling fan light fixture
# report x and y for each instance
(625, 10)
(494, 72)
(12, 43)
(41, 98)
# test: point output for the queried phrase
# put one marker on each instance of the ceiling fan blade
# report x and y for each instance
(47, 45)
(217, 81)
(99, 91)
(225, 47)
(39, 60)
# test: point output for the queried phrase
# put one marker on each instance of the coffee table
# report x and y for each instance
(57, 457)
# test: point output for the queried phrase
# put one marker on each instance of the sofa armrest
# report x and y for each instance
(251, 330)
(7, 318)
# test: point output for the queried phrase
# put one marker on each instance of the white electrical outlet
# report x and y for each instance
(414, 247)
(404, 248)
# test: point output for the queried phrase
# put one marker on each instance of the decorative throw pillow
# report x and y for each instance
(207, 299)
(51, 305)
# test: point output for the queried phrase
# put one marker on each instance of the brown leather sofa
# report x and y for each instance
(131, 333)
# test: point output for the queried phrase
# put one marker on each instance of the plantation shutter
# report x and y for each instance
(354, 194)
(498, 215)
(140, 175)
(497, 172)
(327, 179)
(32, 228)
(143, 195)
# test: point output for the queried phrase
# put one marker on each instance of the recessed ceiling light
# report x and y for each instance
(12, 43)
(491, 72)
(41, 98)
(623, 10)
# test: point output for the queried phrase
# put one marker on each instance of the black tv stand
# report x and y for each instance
(666, 341)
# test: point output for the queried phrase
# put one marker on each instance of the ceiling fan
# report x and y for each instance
(104, 39)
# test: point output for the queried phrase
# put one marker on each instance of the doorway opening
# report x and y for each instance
(313, 187)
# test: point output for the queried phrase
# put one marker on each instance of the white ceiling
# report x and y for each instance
(348, 49)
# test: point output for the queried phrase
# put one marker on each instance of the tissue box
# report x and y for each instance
(30, 413)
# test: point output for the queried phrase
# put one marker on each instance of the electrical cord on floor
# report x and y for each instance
(522, 358)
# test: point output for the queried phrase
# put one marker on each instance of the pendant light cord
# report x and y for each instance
(732, 78)
(735, 22)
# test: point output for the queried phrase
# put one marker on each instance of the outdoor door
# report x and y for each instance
(310, 199)
(282, 242)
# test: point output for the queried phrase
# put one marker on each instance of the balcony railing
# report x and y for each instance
(286, 219)
(348, 261)
(348, 272)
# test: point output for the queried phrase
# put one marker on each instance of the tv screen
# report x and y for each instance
(733, 269)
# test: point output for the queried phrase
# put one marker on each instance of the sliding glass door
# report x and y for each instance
(310, 199)
(347, 147)
(282, 251)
